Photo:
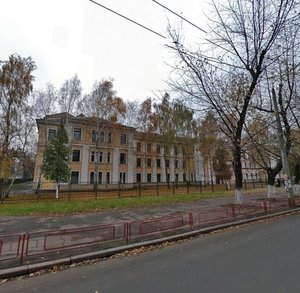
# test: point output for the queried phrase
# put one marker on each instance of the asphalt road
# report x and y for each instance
(261, 257)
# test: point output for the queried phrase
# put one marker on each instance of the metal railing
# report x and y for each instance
(36, 247)
(32, 191)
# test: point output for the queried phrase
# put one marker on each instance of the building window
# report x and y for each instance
(122, 158)
(51, 133)
(167, 163)
(138, 162)
(109, 137)
(184, 177)
(93, 178)
(175, 150)
(100, 157)
(148, 162)
(167, 150)
(108, 157)
(158, 163)
(93, 136)
(176, 177)
(168, 177)
(74, 177)
(149, 177)
(94, 157)
(176, 163)
(76, 155)
(77, 134)
(148, 147)
(101, 136)
(138, 147)
(138, 177)
(158, 177)
(122, 179)
(107, 177)
(123, 138)
(158, 148)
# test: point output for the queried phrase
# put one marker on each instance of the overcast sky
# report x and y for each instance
(65, 37)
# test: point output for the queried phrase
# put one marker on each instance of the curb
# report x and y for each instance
(27, 269)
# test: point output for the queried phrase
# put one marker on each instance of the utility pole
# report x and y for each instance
(284, 157)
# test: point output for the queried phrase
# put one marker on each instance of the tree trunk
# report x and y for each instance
(238, 174)
(56, 190)
(272, 172)
(271, 184)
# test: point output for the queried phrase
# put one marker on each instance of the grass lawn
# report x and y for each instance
(63, 206)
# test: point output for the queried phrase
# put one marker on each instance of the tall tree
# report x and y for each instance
(44, 101)
(174, 122)
(70, 95)
(222, 161)
(15, 86)
(224, 75)
(208, 132)
(104, 107)
(185, 135)
(57, 157)
(163, 123)
(146, 128)
(130, 118)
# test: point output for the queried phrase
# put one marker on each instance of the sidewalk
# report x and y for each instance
(32, 243)
(25, 224)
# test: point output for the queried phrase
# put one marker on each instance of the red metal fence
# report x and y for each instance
(34, 247)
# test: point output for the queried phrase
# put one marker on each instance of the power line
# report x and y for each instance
(144, 27)
(180, 17)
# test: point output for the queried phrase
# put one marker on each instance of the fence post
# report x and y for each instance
(191, 220)
(253, 183)
(127, 231)
(200, 186)
(212, 185)
(70, 190)
(265, 206)
(233, 212)
(173, 188)
(96, 189)
(2, 188)
(139, 188)
(23, 238)
(188, 186)
(119, 189)
(157, 188)
(38, 192)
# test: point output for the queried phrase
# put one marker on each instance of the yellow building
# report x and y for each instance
(124, 155)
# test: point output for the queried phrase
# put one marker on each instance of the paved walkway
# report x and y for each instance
(12, 224)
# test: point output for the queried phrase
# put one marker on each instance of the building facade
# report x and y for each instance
(104, 152)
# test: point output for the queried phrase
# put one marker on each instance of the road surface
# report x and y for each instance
(261, 257)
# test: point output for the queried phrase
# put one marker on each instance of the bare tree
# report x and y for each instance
(44, 101)
(224, 74)
(70, 95)
(130, 118)
(104, 107)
